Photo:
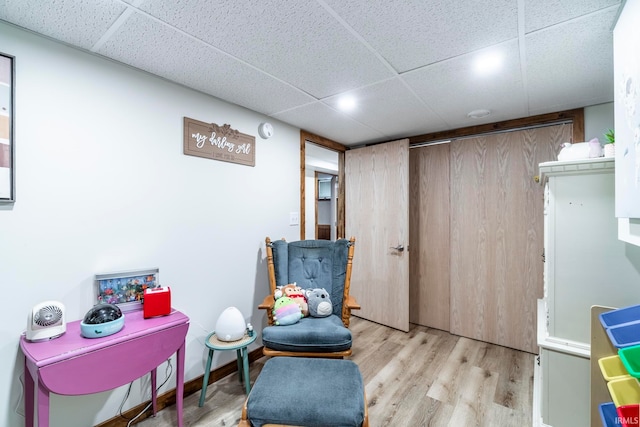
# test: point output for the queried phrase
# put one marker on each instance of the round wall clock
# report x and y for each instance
(265, 130)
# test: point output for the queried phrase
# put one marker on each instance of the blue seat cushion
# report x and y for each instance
(312, 334)
(307, 392)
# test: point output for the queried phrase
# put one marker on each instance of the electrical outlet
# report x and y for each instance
(294, 218)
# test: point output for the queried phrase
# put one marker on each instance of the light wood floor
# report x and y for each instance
(425, 377)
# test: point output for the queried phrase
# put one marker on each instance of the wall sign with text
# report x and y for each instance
(212, 141)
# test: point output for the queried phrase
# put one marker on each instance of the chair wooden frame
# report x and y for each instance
(348, 303)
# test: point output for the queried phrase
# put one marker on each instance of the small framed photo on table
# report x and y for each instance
(125, 288)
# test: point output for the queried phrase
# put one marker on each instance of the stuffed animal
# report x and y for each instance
(286, 311)
(296, 293)
(319, 303)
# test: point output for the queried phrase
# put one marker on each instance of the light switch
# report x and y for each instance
(294, 218)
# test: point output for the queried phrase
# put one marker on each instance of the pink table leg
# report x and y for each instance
(43, 406)
(180, 383)
(154, 392)
(28, 396)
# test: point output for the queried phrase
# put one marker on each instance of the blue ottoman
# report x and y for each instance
(308, 392)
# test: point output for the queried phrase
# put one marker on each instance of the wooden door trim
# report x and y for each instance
(331, 145)
(576, 117)
(315, 202)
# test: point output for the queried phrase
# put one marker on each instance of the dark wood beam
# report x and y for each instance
(575, 116)
(319, 140)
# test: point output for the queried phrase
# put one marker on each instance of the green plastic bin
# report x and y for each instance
(630, 357)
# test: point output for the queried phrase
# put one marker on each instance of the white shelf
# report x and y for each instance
(574, 167)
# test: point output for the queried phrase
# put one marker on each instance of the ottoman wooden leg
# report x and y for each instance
(244, 422)
(365, 421)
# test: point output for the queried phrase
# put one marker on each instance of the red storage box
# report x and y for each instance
(157, 302)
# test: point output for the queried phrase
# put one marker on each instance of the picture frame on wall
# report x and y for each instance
(7, 116)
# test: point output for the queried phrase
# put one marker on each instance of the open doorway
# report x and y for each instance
(326, 206)
(321, 159)
(321, 164)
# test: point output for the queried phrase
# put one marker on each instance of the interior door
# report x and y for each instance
(377, 215)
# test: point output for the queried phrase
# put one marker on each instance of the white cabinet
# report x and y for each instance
(585, 265)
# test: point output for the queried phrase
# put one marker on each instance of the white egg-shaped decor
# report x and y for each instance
(230, 325)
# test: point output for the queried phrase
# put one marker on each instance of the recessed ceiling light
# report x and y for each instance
(347, 103)
(488, 62)
(478, 114)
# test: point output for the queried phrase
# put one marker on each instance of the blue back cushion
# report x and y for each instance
(313, 264)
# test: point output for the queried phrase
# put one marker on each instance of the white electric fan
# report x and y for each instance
(46, 321)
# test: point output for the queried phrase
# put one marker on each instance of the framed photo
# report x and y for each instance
(125, 288)
(7, 114)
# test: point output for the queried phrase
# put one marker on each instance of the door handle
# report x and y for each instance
(398, 248)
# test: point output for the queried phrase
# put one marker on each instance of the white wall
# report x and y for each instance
(310, 204)
(598, 119)
(324, 211)
(102, 185)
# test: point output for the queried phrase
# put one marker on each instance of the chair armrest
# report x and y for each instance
(267, 304)
(352, 304)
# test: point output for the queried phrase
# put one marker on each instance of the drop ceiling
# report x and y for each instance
(409, 64)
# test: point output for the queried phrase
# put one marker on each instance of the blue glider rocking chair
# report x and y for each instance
(311, 264)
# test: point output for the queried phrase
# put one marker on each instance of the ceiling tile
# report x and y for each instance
(318, 118)
(315, 53)
(391, 108)
(410, 62)
(544, 13)
(579, 74)
(150, 45)
(454, 89)
(413, 33)
(80, 23)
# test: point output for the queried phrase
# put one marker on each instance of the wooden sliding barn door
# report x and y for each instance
(497, 234)
(377, 214)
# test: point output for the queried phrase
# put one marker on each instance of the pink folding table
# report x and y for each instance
(73, 365)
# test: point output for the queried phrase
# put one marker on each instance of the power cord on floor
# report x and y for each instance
(168, 371)
(18, 405)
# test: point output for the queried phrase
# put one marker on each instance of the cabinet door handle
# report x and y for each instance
(398, 248)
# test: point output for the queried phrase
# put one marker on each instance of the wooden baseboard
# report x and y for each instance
(169, 398)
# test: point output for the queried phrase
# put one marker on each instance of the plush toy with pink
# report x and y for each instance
(296, 293)
(286, 312)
